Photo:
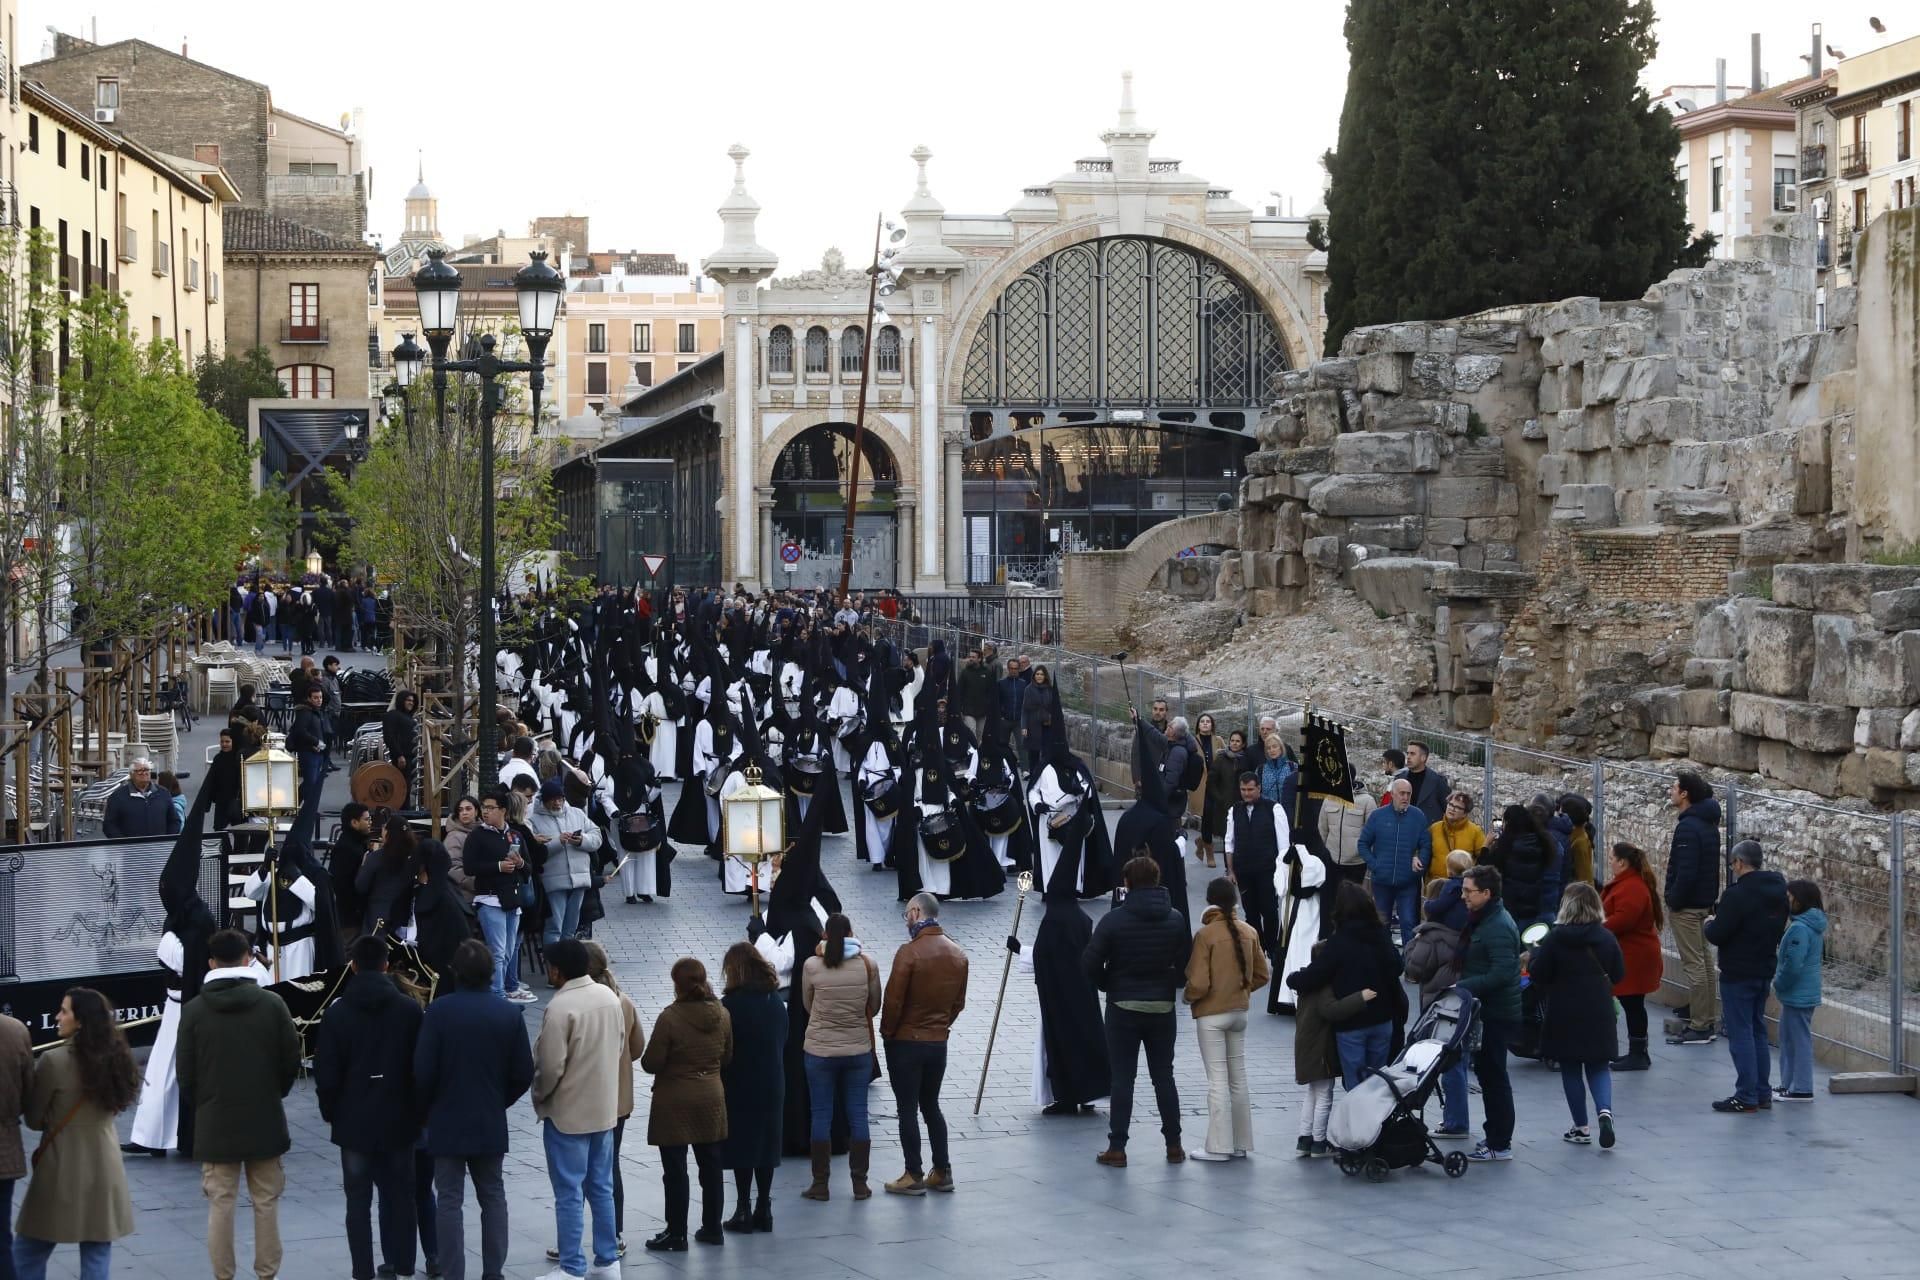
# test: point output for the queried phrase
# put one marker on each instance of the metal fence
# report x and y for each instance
(1858, 857)
(1029, 619)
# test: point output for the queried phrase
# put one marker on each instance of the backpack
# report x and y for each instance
(1196, 771)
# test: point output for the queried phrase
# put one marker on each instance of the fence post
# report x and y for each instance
(1733, 826)
(1600, 846)
(1253, 722)
(1486, 782)
(1093, 721)
(1896, 958)
(1183, 695)
(1393, 733)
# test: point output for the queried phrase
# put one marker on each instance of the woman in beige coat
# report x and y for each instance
(840, 987)
(79, 1190)
(1226, 965)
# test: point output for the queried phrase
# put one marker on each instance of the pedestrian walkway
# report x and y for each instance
(1819, 1189)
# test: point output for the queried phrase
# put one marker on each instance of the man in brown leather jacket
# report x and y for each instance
(925, 992)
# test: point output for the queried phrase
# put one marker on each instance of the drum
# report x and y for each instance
(883, 798)
(1063, 813)
(942, 835)
(636, 832)
(852, 726)
(999, 812)
(717, 780)
(380, 786)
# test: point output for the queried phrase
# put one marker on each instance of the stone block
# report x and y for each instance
(1480, 643)
(1585, 504)
(1883, 671)
(1406, 337)
(1493, 529)
(1723, 749)
(1827, 678)
(1487, 338)
(1642, 378)
(1385, 452)
(1472, 711)
(1778, 644)
(1397, 585)
(1430, 374)
(1714, 634)
(1337, 373)
(1876, 768)
(1811, 726)
(1550, 318)
(1472, 372)
(1663, 706)
(1709, 673)
(1666, 419)
(1897, 610)
(1383, 372)
(1322, 552)
(1877, 727)
(1368, 495)
(1841, 588)
(1695, 506)
(1382, 412)
(1670, 740)
(1396, 533)
(1291, 571)
(1471, 496)
(1486, 457)
(1448, 531)
(1308, 458)
(1704, 708)
(1910, 731)
(1808, 770)
(1323, 417)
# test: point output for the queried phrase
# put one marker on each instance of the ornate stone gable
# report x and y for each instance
(832, 276)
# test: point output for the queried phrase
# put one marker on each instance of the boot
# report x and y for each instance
(822, 1155)
(857, 1156)
(1636, 1058)
(763, 1214)
(742, 1219)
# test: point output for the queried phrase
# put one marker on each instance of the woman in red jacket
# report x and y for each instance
(1632, 900)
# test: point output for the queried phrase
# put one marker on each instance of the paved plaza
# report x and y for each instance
(1820, 1189)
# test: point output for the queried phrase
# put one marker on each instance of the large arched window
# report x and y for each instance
(307, 381)
(780, 350)
(1125, 321)
(853, 349)
(886, 350)
(816, 350)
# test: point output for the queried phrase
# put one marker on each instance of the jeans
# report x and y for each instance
(29, 1258)
(563, 914)
(917, 1068)
(313, 772)
(391, 1174)
(1399, 902)
(846, 1078)
(1796, 1049)
(1361, 1048)
(580, 1167)
(1260, 901)
(1127, 1032)
(1598, 1078)
(490, 1193)
(1453, 1097)
(236, 627)
(673, 1177)
(1223, 1051)
(501, 928)
(1496, 1090)
(6, 1228)
(1743, 1008)
(266, 1179)
(1697, 961)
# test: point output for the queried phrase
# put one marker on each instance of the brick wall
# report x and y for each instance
(1657, 566)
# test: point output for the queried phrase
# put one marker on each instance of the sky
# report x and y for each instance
(624, 112)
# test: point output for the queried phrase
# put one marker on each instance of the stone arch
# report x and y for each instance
(904, 461)
(1098, 587)
(1287, 312)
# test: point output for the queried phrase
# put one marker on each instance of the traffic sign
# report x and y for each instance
(790, 552)
(653, 564)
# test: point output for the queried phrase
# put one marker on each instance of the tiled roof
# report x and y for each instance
(256, 230)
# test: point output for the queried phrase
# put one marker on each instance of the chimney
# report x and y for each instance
(1720, 79)
(1818, 48)
(1759, 81)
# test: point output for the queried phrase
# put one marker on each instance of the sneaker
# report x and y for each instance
(1785, 1095)
(1304, 1147)
(1450, 1133)
(1733, 1106)
(1201, 1153)
(1321, 1147)
(609, 1272)
(1579, 1137)
(940, 1180)
(1606, 1130)
(523, 995)
(907, 1184)
(1484, 1153)
(1692, 1037)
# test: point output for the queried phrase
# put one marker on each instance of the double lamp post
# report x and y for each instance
(537, 289)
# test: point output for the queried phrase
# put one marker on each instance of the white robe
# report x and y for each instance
(841, 708)
(875, 767)
(663, 755)
(1297, 939)
(1047, 791)
(736, 874)
(156, 1122)
(935, 876)
(296, 959)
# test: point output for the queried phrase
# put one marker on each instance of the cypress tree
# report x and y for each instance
(1494, 152)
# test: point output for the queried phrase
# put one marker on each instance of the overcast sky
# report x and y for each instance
(624, 111)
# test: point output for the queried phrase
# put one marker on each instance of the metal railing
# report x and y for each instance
(1030, 619)
(1813, 162)
(1855, 160)
(1858, 857)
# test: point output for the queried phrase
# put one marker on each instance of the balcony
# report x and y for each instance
(163, 259)
(129, 245)
(301, 184)
(1853, 160)
(193, 274)
(1843, 251)
(1813, 162)
(313, 333)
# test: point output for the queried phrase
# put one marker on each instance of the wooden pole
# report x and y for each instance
(860, 416)
(1019, 904)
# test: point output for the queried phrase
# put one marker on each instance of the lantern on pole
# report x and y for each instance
(269, 785)
(754, 819)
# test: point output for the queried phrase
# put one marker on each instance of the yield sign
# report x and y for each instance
(653, 564)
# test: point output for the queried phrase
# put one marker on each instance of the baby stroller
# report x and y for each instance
(1379, 1125)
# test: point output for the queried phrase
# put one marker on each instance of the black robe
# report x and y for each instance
(1070, 1024)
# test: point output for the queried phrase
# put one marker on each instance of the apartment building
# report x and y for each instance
(1738, 158)
(632, 321)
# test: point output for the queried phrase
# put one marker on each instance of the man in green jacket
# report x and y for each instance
(238, 1057)
(1492, 973)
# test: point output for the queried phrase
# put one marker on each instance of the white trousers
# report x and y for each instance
(1316, 1108)
(1223, 1051)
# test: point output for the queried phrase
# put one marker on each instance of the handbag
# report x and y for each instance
(527, 895)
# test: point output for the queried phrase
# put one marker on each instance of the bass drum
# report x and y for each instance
(999, 812)
(637, 832)
(942, 835)
(883, 798)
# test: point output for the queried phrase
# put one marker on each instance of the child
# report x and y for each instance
(1432, 962)
(1796, 981)
(1316, 1058)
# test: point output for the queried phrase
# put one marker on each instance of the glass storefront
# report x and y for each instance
(809, 509)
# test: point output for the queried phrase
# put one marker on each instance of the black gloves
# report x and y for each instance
(1013, 943)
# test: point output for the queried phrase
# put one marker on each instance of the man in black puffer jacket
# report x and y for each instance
(1693, 883)
(1138, 956)
(1746, 926)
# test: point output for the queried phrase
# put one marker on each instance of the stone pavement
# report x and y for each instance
(1687, 1192)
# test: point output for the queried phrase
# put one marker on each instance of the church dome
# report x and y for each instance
(420, 192)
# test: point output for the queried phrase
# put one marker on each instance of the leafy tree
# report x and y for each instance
(226, 382)
(1498, 151)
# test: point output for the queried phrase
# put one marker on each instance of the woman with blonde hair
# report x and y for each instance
(1575, 967)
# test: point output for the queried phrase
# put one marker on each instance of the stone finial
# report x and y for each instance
(740, 250)
(921, 154)
(1127, 118)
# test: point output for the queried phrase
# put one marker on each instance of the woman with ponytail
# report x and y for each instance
(1226, 965)
(840, 987)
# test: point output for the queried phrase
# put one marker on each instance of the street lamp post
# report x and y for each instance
(408, 359)
(537, 288)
